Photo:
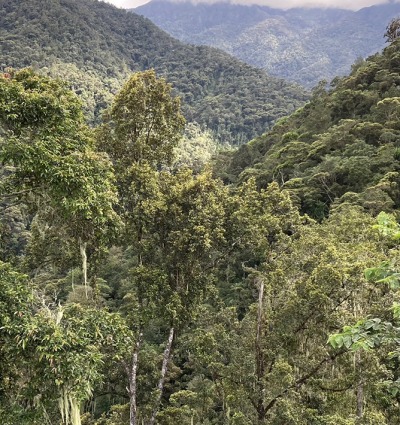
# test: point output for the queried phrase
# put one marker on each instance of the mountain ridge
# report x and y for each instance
(301, 45)
(92, 42)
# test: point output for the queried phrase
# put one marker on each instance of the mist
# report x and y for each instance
(280, 4)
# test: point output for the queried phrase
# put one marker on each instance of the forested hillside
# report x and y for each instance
(135, 289)
(299, 44)
(95, 46)
(147, 277)
(341, 148)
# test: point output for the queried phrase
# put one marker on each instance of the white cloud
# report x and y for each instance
(127, 4)
(279, 4)
(342, 4)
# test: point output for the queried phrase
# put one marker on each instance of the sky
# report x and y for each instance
(280, 4)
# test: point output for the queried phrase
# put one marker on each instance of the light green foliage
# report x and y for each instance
(310, 283)
(140, 131)
(15, 302)
(180, 225)
(144, 122)
(172, 219)
(173, 222)
(372, 333)
(45, 139)
(256, 222)
(67, 349)
(246, 288)
(195, 149)
(95, 91)
(387, 226)
(190, 231)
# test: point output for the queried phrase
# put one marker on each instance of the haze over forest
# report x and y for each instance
(301, 45)
(186, 239)
(286, 4)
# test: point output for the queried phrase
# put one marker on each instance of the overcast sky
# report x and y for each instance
(283, 4)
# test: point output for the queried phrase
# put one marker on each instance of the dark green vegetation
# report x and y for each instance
(341, 148)
(302, 45)
(94, 46)
(135, 290)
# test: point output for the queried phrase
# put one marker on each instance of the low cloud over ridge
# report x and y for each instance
(278, 4)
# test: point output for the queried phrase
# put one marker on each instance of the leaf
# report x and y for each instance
(348, 341)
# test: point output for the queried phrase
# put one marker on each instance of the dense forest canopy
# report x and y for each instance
(341, 147)
(137, 287)
(95, 46)
(300, 44)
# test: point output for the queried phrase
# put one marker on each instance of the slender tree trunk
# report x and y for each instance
(360, 400)
(357, 311)
(82, 249)
(164, 368)
(259, 358)
(260, 317)
(133, 382)
(359, 387)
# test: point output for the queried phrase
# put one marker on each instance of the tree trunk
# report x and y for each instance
(359, 387)
(133, 382)
(357, 311)
(360, 400)
(259, 358)
(164, 368)
(82, 248)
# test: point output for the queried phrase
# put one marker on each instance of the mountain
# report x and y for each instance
(343, 147)
(95, 46)
(302, 45)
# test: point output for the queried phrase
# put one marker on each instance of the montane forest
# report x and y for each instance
(185, 240)
(300, 44)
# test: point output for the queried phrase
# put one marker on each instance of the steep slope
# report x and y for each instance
(342, 147)
(302, 45)
(95, 46)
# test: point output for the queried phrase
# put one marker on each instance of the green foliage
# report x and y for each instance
(372, 333)
(143, 124)
(310, 283)
(196, 149)
(50, 355)
(294, 44)
(53, 165)
(179, 229)
(343, 142)
(247, 288)
(97, 45)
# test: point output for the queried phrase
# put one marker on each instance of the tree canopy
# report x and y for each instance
(134, 289)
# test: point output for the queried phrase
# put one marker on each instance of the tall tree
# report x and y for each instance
(53, 161)
(143, 125)
(392, 30)
(140, 131)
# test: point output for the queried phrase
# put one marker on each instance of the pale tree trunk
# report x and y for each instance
(164, 368)
(132, 374)
(259, 358)
(357, 311)
(359, 387)
(260, 319)
(82, 248)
